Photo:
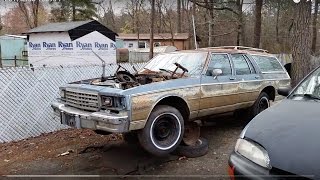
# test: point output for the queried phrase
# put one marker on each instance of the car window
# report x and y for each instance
(267, 64)
(253, 71)
(219, 61)
(240, 64)
(309, 88)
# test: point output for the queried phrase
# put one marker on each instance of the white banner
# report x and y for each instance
(58, 49)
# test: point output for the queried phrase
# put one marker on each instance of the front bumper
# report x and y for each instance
(109, 122)
(245, 169)
(242, 168)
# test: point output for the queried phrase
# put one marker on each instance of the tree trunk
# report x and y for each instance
(257, 26)
(35, 12)
(301, 48)
(184, 15)
(211, 24)
(137, 11)
(73, 11)
(277, 22)
(179, 16)
(239, 4)
(159, 6)
(62, 12)
(314, 27)
(24, 10)
(152, 29)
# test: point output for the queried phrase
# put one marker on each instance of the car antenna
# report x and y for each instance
(103, 76)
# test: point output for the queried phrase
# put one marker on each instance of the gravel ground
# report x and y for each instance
(82, 152)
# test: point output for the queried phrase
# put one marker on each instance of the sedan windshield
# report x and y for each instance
(193, 62)
(309, 89)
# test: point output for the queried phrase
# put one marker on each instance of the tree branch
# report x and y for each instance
(215, 8)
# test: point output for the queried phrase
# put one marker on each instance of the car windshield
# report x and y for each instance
(309, 89)
(193, 62)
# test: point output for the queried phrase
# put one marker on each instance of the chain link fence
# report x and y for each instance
(26, 94)
(287, 58)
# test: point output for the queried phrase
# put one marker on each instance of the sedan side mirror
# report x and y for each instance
(216, 73)
(284, 91)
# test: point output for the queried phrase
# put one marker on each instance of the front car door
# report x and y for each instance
(218, 94)
(250, 82)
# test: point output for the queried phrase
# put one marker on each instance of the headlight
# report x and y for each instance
(253, 152)
(107, 101)
(112, 101)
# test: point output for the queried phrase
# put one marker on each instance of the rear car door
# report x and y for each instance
(249, 80)
(218, 94)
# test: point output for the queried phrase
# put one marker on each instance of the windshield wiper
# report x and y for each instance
(309, 96)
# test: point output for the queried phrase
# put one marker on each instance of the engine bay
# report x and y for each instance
(123, 79)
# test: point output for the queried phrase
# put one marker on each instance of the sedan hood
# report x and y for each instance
(290, 132)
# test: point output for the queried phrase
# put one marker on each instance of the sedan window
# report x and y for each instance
(267, 64)
(219, 61)
(240, 64)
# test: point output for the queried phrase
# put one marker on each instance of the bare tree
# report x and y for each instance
(159, 4)
(240, 35)
(211, 24)
(212, 5)
(314, 26)
(30, 11)
(152, 28)
(170, 23)
(179, 16)
(257, 26)
(277, 22)
(134, 8)
(301, 64)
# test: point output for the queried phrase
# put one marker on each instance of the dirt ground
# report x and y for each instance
(82, 152)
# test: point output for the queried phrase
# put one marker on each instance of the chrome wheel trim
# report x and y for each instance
(152, 128)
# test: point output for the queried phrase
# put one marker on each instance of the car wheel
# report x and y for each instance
(262, 103)
(201, 148)
(163, 131)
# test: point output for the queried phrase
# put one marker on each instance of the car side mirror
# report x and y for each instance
(216, 73)
(284, 91)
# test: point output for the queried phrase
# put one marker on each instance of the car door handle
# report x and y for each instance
(257, 77)
(232, 78)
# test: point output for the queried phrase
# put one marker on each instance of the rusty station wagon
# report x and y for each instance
(174, 89)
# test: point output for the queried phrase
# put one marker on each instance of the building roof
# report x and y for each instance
(58, 27)
(10, 36)
(161, 36)
(75, 29)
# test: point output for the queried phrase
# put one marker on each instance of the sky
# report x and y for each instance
(6, 5)
(118, 5)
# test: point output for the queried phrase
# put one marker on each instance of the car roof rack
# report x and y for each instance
(240, 48)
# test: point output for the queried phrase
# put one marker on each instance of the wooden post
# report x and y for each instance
(15, 61)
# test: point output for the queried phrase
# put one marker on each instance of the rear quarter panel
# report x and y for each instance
(276, 80)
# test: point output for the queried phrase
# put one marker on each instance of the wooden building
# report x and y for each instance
(182, 41)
